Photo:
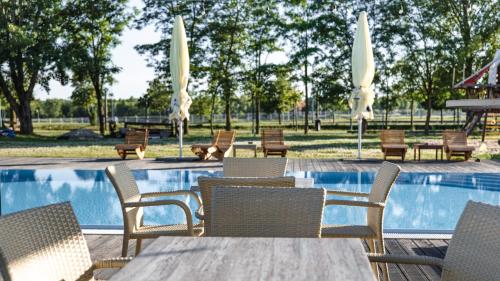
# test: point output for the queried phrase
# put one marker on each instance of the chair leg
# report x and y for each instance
(371, 247)
(125, 246)
(140, 153)
(138, 246)
(122, 154)
(381, 250)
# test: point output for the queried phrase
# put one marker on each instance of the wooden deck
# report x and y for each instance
(485, 166)
(105, 246)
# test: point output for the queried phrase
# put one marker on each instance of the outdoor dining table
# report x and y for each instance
(236, 258)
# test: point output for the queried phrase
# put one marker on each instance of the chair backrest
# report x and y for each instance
(43, 243)
(474, 250)
(126, 187)
(386, 176)
(254, 167)
(137, 137)
(454, 138)
(272, 136)
(207, 183)
(392, 137)
(267, 211)
(224, 139)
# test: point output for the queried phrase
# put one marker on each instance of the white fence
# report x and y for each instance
(336, 117)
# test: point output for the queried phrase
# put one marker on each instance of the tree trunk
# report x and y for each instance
(257, 114)
(212, 109)
(306, 117)
(441, 111)
(25, 117)
(411, 115)
(428, 115)
(228, 108)
(100, 109)
(279, 117)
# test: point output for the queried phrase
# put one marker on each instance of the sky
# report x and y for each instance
(134, 76)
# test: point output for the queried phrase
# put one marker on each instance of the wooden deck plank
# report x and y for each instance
(411, 272)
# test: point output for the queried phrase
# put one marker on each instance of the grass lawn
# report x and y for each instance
(337, 144)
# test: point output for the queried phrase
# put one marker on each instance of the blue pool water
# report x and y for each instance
(418, 201)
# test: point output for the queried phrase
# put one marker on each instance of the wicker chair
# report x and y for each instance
(207, 183)
(273, 143)
(455, 144)
(377, 198)
(254, 167)
(266, 211)
(221, 146)
(474, 250)
(392, 143)
(47, 243)
(132, 208)
(136, 142)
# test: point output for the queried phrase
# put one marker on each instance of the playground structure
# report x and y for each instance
(482, 100)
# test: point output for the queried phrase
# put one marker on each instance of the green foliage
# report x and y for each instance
(30, 51)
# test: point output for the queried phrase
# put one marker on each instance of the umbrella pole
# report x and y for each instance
(181, 128)
(360, 125)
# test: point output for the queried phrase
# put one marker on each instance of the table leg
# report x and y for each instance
(255, 153)
(234, 151)
(419, 152)
(436, 154)
(441, 154)
(414, 153)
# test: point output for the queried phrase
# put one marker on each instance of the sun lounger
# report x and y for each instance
(135, 143)
(392, 143)
(273, 142)
(455, 144)
(221, 146)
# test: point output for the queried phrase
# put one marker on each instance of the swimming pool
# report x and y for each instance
(418, 201)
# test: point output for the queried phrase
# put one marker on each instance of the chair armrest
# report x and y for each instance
(112, 263)
(199, 214)
(347, 193)
(184, 207)
(401, 259)
(366, 204)
(173, 193)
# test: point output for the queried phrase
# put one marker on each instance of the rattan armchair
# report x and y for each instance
(474, 250)
(207, 183)
(377, 198)
(132, 208)
(266, 211)
(254, 167)
(46, 243)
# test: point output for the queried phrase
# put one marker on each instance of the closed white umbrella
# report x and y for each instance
(363, 70)
(179, 69)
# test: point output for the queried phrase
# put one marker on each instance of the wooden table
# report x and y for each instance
(249, 146)
(423, 146)
(231, 258)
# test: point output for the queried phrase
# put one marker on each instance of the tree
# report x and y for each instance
(280, 95)
(93, 32)
(30, 52)
(156, 97)
(84, 96)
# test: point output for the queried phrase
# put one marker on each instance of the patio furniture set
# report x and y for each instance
(251, 223)
(454, 144)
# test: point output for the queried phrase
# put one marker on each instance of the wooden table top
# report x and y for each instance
(231, 258)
